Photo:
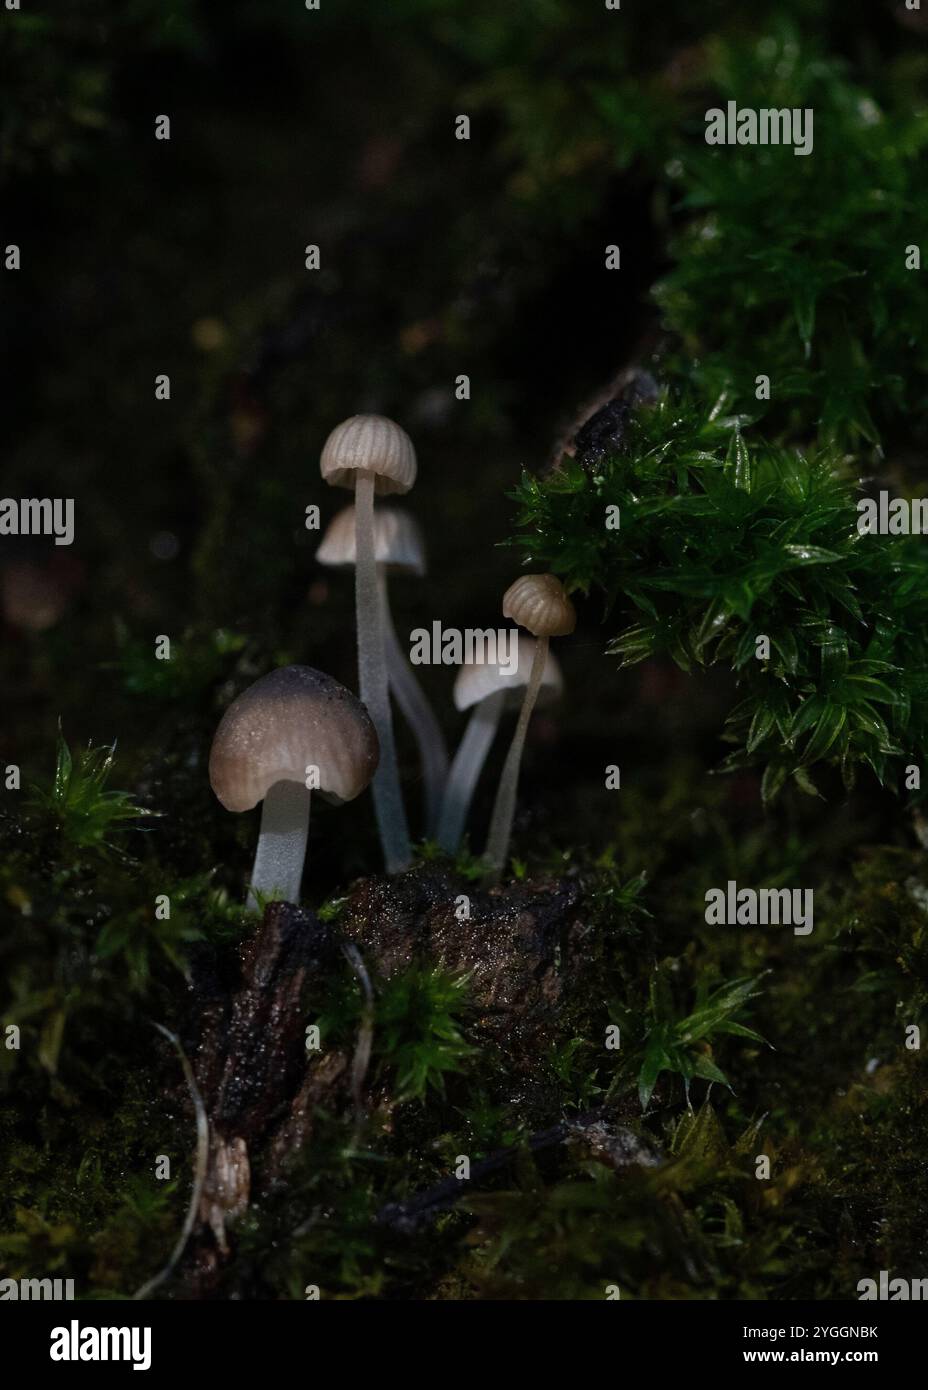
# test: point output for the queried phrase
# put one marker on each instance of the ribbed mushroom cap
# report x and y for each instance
(369, 444)
(398, 542)
(289, 720)
(539, 602)
(477, 680)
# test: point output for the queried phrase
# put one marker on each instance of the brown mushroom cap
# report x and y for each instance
(539, 602)
(289, 720)
(398, 541)
(369, 444)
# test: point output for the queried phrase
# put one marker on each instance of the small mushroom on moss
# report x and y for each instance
(398, 549)
(488, 689)
(292, 732)
(370, 453)
(538, 602)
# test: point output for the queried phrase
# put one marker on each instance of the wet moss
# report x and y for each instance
(536, 975)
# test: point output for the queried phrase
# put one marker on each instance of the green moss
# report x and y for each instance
(796, 267)
(80, 807)
(725, 542)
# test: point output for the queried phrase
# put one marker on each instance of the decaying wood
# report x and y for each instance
(599, 424)
(249, 1065)
(261, 1088)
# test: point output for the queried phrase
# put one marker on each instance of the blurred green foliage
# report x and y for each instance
(798, 267)
(58, 68)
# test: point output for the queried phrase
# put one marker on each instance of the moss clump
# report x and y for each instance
(732, 552)
(660, 1200)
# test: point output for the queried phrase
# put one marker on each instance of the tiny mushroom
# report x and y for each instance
(370, 453)
(488, 689)
(538, 602)
(292, 732)
(398, 549)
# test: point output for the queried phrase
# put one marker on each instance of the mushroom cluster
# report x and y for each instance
(296, 730)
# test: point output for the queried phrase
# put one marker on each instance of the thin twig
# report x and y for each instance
(200, 1169)
(362, 1052)
(423, 1206)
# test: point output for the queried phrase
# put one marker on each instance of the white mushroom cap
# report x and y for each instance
(477, 680)
(289, 720)
(539, 602)
(369, 444)
(398, 542)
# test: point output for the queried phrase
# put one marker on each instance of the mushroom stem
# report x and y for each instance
(281, 844)
(466, 769)
(373, 685)
(505, 804)
(417, 712)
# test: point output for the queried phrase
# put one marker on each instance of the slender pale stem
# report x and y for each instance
(372, 683)
(281, 844)
(497, 849)
(417, 712)
(466, 769)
